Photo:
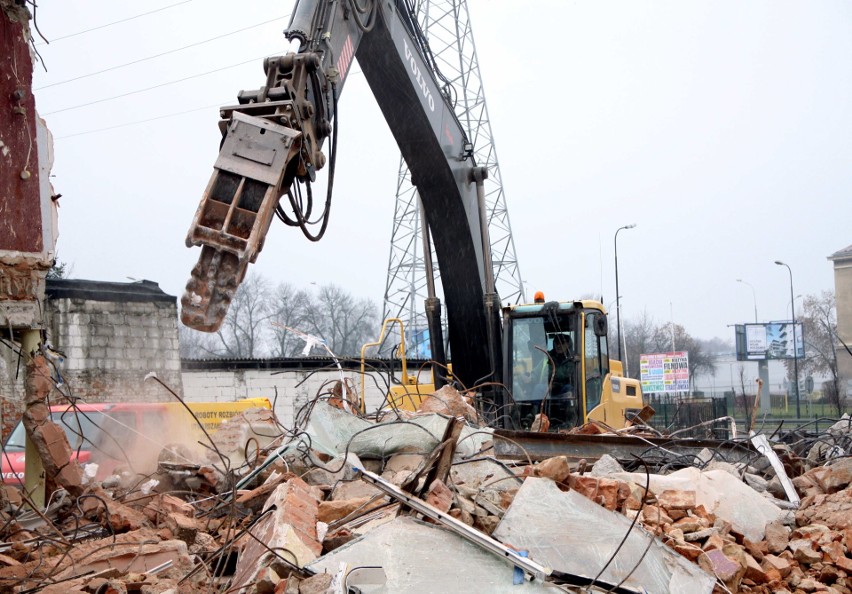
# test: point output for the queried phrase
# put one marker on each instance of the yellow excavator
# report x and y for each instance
(556, 363)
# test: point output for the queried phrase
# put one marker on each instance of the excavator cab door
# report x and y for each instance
(595, 358)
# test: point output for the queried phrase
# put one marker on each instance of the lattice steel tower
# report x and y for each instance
(446, 24)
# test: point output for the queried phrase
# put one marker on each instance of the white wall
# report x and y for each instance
(229, 385)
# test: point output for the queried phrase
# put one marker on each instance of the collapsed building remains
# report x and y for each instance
(419, 502)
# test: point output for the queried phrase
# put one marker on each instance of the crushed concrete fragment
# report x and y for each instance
(606, 465)
(586, 535)
(431, 560)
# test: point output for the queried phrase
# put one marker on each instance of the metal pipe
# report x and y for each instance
(433, 307)
(491, 300)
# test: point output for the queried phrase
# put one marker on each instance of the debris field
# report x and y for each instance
(420, 502)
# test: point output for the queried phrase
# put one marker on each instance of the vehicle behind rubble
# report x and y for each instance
(590, 385)
(570, 388)
(126, 435)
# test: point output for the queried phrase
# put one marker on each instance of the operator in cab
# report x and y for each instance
(560, 367)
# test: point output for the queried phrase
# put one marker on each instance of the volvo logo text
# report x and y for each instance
(421, 80)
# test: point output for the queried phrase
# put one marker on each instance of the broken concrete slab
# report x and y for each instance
(419, 557)
(502, 552)
(571, 534)
(333, 430)
(721, 494)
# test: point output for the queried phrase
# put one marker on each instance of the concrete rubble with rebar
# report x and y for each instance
(419, 502)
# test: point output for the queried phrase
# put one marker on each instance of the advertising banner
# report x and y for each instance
(773, 340)
(663, 373)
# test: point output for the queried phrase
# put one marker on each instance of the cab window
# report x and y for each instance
(596, 361)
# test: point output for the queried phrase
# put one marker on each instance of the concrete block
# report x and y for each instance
(586, 536)
(96, 353)
(131, 353)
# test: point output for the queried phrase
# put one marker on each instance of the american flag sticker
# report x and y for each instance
(345, 59)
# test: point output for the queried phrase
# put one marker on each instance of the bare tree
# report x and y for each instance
(745, 404)
(819, 327)
(243, 333)
(288, 312)
(195, 344)
(638, 335)
(341, 320)
(674, 337)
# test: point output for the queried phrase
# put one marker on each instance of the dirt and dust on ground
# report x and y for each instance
(425, 502)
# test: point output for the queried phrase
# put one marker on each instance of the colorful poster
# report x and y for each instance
(664, 372)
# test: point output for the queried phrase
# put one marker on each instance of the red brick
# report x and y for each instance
(556, 469)
(715, 562)
(654, 516)
(439, 496)
(602, 491)
(844, 563)
(676, 499)
(779, 564)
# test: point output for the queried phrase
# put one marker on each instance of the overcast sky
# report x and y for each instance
(722, 129)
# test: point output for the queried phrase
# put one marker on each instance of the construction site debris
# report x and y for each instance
(419, 557)
(568, 532)
(422, 499)
(731, 499)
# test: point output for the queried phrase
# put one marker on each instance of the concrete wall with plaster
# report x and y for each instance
(113, 335)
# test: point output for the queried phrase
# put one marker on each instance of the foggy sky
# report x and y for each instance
(721, 128)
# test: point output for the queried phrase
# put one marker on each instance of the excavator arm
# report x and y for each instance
(272, 147)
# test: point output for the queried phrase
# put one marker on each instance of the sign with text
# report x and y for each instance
(664, 372)
(773, 340)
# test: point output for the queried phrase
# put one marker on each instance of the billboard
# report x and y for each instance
(664, 372)
(772, 340)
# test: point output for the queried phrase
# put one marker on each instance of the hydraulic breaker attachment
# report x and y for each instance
(235, 213)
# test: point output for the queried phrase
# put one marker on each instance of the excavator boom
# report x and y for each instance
(273, 142)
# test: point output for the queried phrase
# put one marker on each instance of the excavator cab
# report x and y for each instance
(557, 364)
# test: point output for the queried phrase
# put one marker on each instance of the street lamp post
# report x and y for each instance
(617, 302)
(795, 347)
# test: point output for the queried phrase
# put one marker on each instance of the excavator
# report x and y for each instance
(271, 150)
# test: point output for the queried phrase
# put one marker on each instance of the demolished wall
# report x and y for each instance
(28, 225)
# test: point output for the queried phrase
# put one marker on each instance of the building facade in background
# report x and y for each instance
(842, 260)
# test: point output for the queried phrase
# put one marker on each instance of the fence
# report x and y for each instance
(680, 412)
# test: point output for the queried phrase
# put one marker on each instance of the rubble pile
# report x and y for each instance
(403, 502)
